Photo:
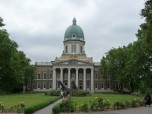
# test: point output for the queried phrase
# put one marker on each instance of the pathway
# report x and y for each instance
(48, 109)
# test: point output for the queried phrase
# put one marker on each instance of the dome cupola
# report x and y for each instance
(74, 32)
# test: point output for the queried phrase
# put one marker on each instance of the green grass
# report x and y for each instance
(111, 97)
(29, 99)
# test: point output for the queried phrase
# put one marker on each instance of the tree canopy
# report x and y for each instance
(132, 64)
(14, 65)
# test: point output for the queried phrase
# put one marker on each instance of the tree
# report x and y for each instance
(14, 65)
(144, 33)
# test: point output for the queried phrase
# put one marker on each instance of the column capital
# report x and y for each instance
(69, 68)
(76, 68)
(53, 68)
(61, 68)
(84, 68)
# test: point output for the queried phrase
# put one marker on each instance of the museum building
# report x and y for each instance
(73, 65)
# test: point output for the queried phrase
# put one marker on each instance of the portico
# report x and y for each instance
(82, 76)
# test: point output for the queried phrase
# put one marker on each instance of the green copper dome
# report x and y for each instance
(74, 32)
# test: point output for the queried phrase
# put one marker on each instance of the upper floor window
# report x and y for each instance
(50, 76)
(44, 76)
(96, 76)
(38, 76)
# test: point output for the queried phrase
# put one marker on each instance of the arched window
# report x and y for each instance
(66, 49)
(74, 46)
(81, 49)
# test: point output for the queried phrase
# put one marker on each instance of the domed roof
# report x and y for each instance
(74, 32)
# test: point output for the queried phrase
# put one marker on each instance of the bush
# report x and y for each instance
(134, 103)
(65, 106)
(53, 93)
(56, 108)
(119, 105)
(79, 93)
(99, 104)
(34, 108)
(2, 106)
(84, 107)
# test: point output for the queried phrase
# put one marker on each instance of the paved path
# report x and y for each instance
(140, 110)
(48, 109)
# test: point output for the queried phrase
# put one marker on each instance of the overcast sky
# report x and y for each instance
(38, 26)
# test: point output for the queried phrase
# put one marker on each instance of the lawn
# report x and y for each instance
(111, 97)
(29, 99)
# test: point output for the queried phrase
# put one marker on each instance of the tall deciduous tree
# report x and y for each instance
(14, 64)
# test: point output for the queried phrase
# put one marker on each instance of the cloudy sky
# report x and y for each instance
(38, 26)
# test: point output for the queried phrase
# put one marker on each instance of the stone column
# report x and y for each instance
(69, 80)
(54, 78)
(77, 77)
(92, 81)
(61, 75)
(84, 79)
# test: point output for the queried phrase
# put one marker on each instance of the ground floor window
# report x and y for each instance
(44, 85)
(50, 85)
(96, 85)
(38, 84)
(101, 85)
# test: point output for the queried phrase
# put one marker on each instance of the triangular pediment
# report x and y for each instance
(73, 62)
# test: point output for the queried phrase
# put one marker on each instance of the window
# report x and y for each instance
(73, 76)
(50, 85)
(58, 75)
(65, 76)
(96, 85)
(38, 76)
(66, 49)
(96, 76)
(38, 85)
(80, 76)
(50, 76)
(88, 85)
(74, 46)
(88, 76)
(73, 49)
(81, 49)
(44, 68)
(44, 85)
(108, 85)
(101, 85)
(44, 76)
(73, 35)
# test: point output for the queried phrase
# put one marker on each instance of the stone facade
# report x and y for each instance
(73, 65)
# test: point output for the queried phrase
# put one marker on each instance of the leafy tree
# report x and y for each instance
(14, 65)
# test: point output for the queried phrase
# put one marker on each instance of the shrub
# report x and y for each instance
(56, 108)
(79, 93)
(134, 103)
(30, 110)
(53, 93)
(84, 107)
(99, 104)
(2, 106)
(119, 105)
(65, 106)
